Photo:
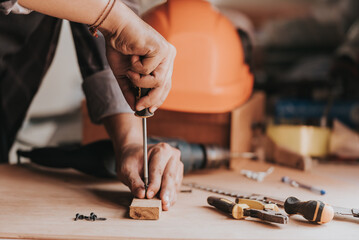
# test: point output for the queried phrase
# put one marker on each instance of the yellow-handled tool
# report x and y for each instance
(255, 204)
(241, 211)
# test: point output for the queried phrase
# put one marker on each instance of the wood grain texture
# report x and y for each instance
(241, 126)
(145, 209)
(39, 203)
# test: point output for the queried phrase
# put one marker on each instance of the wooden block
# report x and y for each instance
(242, 119)
(145, 209)
(286, 157)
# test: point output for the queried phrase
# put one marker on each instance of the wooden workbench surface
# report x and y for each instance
(39, 203)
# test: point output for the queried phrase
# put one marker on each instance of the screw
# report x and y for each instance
(93, 217)
(79, 217)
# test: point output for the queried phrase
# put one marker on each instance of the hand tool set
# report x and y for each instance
(266, 207)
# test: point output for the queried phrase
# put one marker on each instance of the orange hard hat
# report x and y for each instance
(210, 74)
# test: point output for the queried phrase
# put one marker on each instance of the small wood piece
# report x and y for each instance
(242, 119)
(145, 209)
(286, 157)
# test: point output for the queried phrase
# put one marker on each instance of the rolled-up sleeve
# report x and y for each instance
(104, 96)
(6, 6)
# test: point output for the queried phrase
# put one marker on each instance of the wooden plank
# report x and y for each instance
(145, 209)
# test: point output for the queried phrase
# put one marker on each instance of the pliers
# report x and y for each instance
(249, 208)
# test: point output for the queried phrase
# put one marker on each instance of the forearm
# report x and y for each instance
(124, 129)
(82, 11)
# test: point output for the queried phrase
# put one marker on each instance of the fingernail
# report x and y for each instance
(150, 194)
(166, 199)
(153, 109)
(140, 108)
(140, 192)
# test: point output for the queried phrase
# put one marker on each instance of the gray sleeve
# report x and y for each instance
(134, 5)
(104, 96)
(6, 6)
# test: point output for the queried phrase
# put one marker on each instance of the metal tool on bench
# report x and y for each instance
(346, 212)
(242, 195)
(250, 208)
(305, 208)
(144, 114)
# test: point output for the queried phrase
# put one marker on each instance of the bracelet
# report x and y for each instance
(104, 14)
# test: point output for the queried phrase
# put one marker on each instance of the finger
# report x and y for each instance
(146, 64)
(169, 181)
(159, 156)
(168, 196)
(168, 193)
(155, 78)
(119, 68)
(132, 179)
(179, 176)
(127, 91)
(137, 186)
(155, 98)
(143, 81)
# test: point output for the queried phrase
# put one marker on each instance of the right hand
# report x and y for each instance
(139, 56)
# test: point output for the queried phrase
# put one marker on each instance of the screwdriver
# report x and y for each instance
(144, 114)
(313, 210)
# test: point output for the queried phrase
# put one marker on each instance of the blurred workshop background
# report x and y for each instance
(304, 58)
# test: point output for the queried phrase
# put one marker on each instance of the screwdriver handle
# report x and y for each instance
(313, 210)
(227, 206)
(141, 92)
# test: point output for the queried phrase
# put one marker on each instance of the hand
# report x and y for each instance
(165, 171)
(139, 56)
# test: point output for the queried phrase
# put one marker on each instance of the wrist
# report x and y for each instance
(124, 129)
(116, 20)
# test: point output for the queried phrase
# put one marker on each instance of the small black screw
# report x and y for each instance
(79, 217)
(92, 217)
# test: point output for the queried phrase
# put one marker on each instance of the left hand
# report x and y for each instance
(165, 171)
(165, 166)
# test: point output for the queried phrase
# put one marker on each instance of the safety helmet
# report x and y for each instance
(210, 74)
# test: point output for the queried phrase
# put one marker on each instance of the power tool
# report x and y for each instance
(98, 158)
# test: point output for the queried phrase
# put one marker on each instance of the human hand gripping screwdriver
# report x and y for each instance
(144, 114)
